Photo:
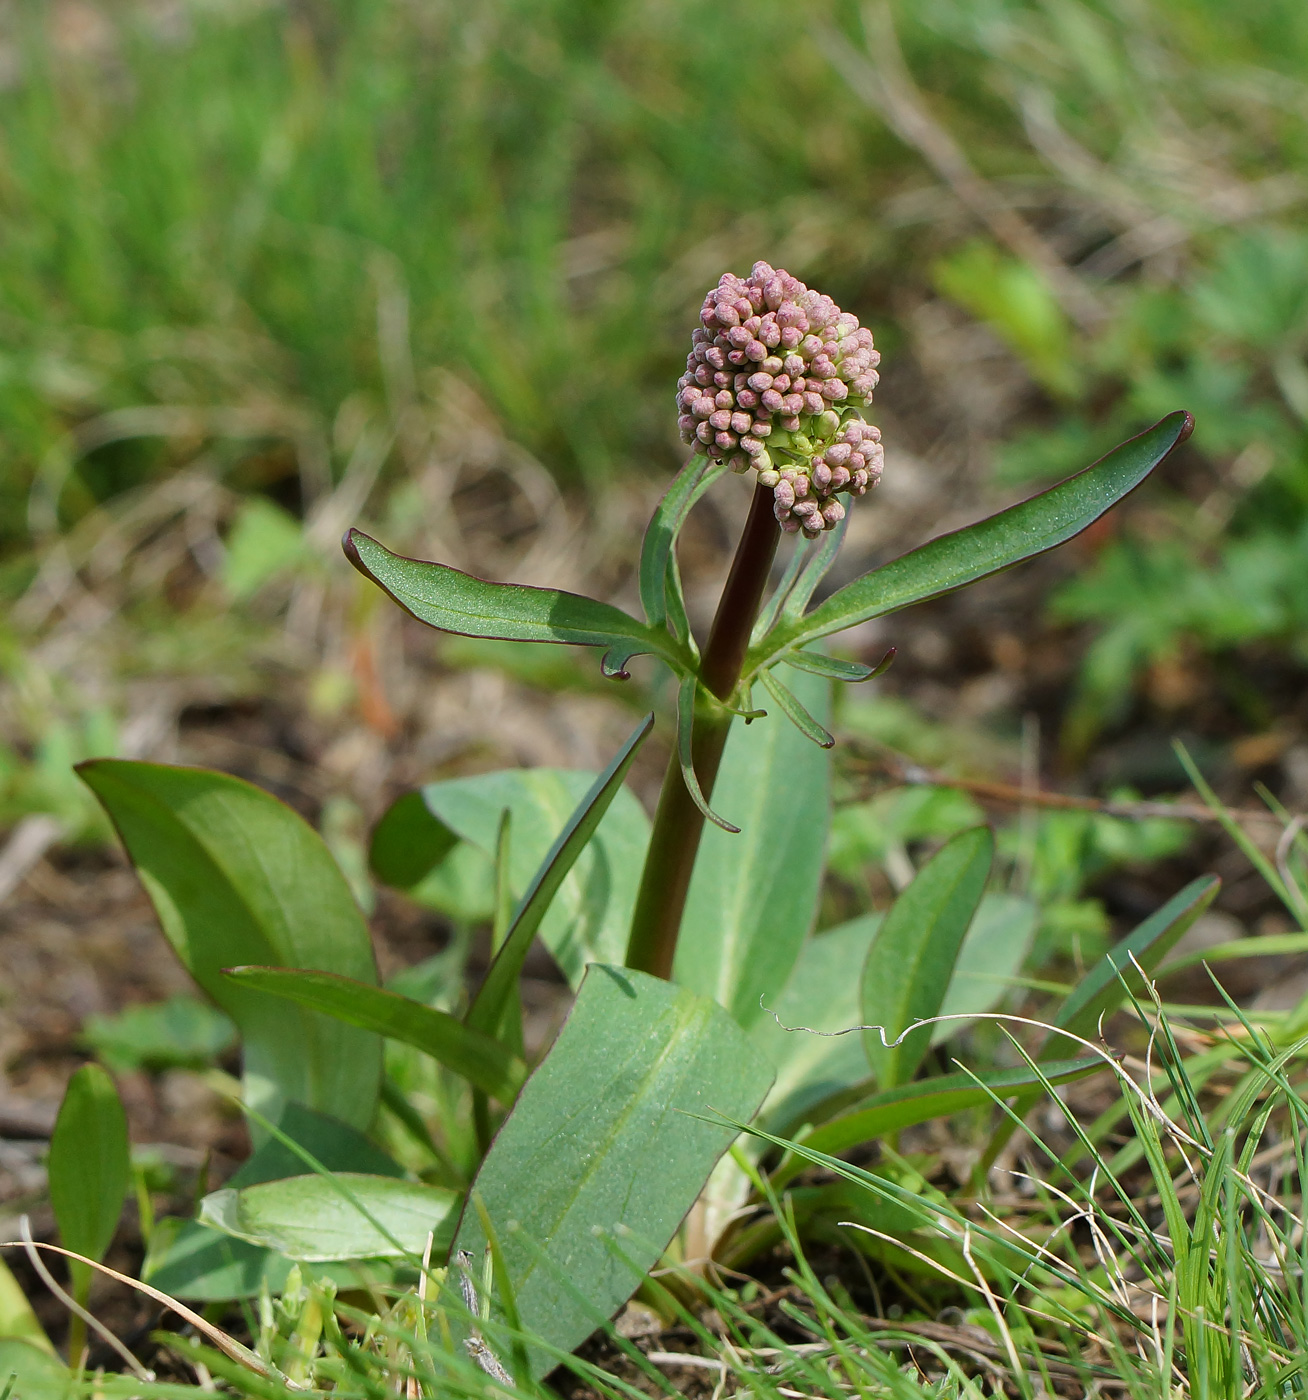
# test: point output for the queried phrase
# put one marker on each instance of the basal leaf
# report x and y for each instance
(822, 995)
(994, 949)
(408, 842)
(607, 1136)
(501, 980)
(237, 877)
(1100, 991)
(591, 911)
(753, 895)
(349, 1216)
(453, 601)
(954, 560)
(89, 1167)
(481, 1060)
(911, 961)
(893, 1109)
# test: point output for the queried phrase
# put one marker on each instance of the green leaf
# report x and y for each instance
(349, 1216)
(830, 666)
(656, 553)
(90, 1169)
(608, 1135)
(753, 896)
(823, 995)
(481, 1060)
(18, 1322)
(994, 949)
(408, 842)
(893, 1109)
(453, 601)
(911, 962)
(954, 560)
(795, 712)
(36, 1375)
(237, 877)
(1100, 991)
(590, 915)
(191, 1260)
(182, 1032)
(687, 694)
(816, 569)
(500, 985)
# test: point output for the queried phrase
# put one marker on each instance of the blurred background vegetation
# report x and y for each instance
(268, 267)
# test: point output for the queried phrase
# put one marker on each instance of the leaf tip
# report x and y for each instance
(1187, 427)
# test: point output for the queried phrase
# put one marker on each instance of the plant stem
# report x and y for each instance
(678, 823)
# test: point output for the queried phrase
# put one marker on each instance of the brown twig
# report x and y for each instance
(905, 771)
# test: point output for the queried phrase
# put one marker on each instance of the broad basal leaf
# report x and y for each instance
(753, 896)
(911, 961)
(607, 1138)
(237, 877)
(991, 545)
(89, 1166)
(590, 913)
(345, 1216)
(457, 602)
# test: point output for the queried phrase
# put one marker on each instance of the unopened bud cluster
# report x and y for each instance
(774, 384)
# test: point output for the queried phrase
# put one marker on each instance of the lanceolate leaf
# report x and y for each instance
(590, 914)
(911, 962)
(796, 713)
(687, 693)
(457, 602)
(687, 487)
(89, 1167)
(477, 1057)
(502, 978)
(349, 1216)
(753, 895)
(609, 1134)
(919, 1102)
(830, 666)
(1100, 991)
(991, 545)
(237, 877)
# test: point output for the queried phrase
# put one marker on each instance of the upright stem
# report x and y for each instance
(678, 823)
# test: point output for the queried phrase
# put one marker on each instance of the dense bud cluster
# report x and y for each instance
(774, 384)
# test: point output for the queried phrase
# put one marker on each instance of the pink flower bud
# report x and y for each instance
(864, 384)
(771, 400)
(809, 346)
(747, 398)
(838, 453)
(790, 527)
(756, 351)
(834, 390)
(686, 425)
(790, 423)
(741, 422)
(760, 381)
(704, 433)
(739, 337)
(793, 365)
(703, 375)
(790, 337)
(805, 508)
(784, 492)
(715, 357)
(703, 406)
(793, 404)
(821, 475)
(769, 333)
(781, 383)
(762, 428)
(721, 378)
(801, 485)
(724, 398)
(813, 403)
(751, 445)
(726, 441)
(799, 385)
(739, 464)
(753, 325)
(726, 314)
(857, 462)
(774, 290)
(839, 478)
(772, 365)
(768, 478)
(720, 419)
(833, 513)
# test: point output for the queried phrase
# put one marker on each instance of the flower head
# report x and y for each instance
(775, 383)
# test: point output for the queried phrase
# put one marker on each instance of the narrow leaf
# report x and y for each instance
(565, 1173)
(351, 1216)
(954, 560)
(771, 610)
(795, 712)
(815, 570)
(753, 895)
(893, 1109)
(89, 1168)
(453, 601)
(237, 877)
(687, 693)
(487, 1009)
(909, 966)
(480, 1059)
(660, 541)
(1100, 991)
(832, 667)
